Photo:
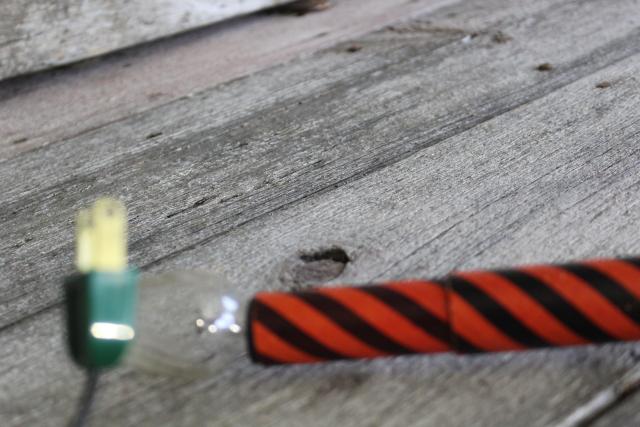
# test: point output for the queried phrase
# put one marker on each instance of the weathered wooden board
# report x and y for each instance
(220, 154)
(423, 152)
(536, 184)
(118, 86)
(38, 34)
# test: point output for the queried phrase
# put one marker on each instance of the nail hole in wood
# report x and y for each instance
(544, 67)
(314, 267)
(334, 254)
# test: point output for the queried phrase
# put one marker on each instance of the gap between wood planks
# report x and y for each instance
(604, 401)
(37, 36)
(111, 88)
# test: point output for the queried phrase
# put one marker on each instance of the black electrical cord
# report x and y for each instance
(86, 399)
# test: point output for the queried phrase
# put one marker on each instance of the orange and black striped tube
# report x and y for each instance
(478, 311)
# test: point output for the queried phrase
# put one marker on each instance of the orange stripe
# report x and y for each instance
(587, 300)
(472, 326)
(627, 275)
(385, 319)
(430, 296)
(524, 308)
(315, 324)
(272, 346)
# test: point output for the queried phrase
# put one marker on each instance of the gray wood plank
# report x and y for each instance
(36, 35)
(117, 86)
(539, 183)
(624, 414)
(218, 155)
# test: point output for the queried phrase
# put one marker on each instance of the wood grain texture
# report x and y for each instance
(540, 156)
(39, 34)
(423, 152)
(219, 154)
(624, 414)
(117, 86)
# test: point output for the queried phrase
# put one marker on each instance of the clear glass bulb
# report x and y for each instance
(190, 324)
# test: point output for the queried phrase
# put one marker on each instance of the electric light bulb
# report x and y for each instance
(189, 323)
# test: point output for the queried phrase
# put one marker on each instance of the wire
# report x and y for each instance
(86, 400)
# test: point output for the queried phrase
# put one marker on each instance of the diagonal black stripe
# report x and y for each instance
(290, 333)
(611, 290)
(633, 261)
(254, 354)
(409, 309)
(352, 323)
(495, 313)
(463, 346)
(557, 305)
(460, 344)
(417, 315)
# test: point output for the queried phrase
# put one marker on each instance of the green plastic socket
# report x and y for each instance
(101, 311)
